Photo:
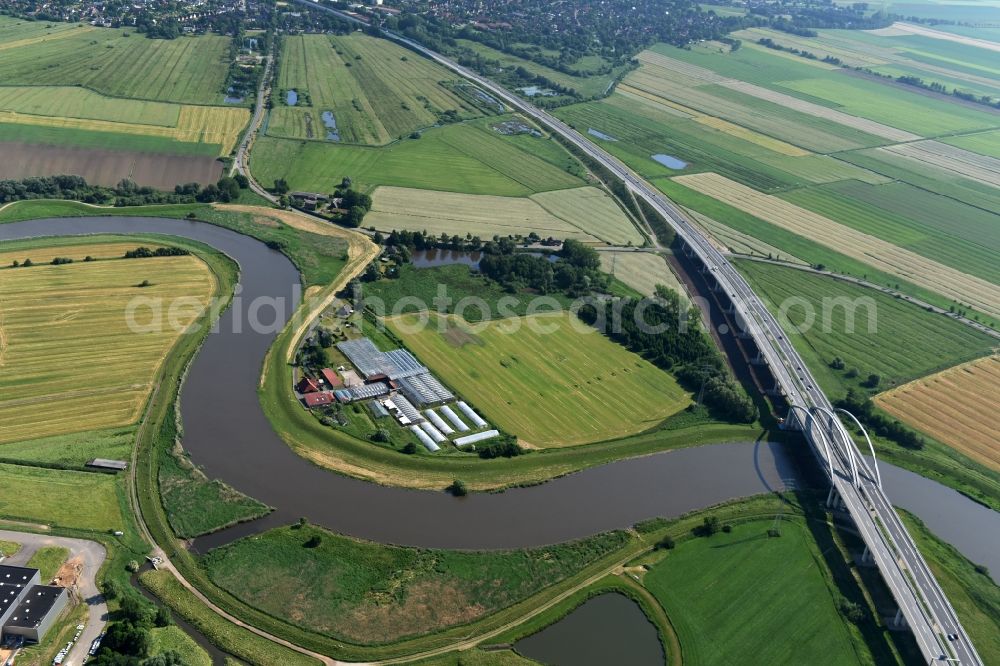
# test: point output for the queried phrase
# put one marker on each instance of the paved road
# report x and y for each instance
(922, 602)
(241, 162)
(93, 555)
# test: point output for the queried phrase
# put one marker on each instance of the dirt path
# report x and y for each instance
(900, 28)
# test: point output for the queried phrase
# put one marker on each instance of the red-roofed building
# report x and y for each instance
(317, 399)
(307, 385)
(333, 380)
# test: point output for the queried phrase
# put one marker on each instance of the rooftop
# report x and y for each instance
(35, 605)
(12, 582)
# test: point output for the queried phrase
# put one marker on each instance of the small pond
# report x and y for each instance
(609, 629)
(330, 123)
(600, 135)
(434, 257)
(669, 161)
(232, 97)
(291, 97)
(536, 91)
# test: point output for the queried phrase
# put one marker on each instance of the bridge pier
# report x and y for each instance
(832, 497)
(899, 622)
(867, 559)
(759, 359)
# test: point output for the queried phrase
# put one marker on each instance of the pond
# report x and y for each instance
(330, 123)
(536, 91)
(291, 98)
(600, 135)
(609, 629)
(669, 161)
(232, 97)
(434, 257)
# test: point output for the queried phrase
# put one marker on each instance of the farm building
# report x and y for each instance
(104, 463)
(27, 608)
(317, 399)
(331, 378)
(399, 366)
(307, 385)
(404, 411)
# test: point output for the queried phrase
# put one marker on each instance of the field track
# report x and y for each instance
(960, 407)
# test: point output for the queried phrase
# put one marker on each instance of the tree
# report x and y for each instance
(380, 435)
(28, 263)
(280, 186)
(873, 381)
(162, 617)
(409, 449)
(242, 181)
(314, 541)
(354, 216)
(837, 363)
(709, 526)
(372, 273)
(458, 488)
(378, 238)
(229, 189)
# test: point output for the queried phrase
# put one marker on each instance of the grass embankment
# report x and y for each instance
(372, 594)
(549, 379)
(9, 548)
(173, 639)
(235, 640)
(47, 560)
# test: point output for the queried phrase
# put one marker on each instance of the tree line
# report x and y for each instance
(125, 193)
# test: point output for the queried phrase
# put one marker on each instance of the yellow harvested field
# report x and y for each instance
(761, 140)
(593, 212)
(451, 213)
(70, 360)
(77, 108)
(76, 251)
(982, 168)
(819, 111)
(67, 31)
(953, 284)
(960, 407)
(640, 270)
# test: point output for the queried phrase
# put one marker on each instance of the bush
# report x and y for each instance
(727, 528)
(850, 610)
(708, 527)
(774, 532)
(666, 543)
(458, 488)
(409, 449)
(314, 541)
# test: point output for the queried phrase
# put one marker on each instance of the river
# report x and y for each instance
(227, 434)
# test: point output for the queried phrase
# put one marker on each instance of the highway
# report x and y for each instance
(921, 601)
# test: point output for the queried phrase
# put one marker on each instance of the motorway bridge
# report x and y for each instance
(855, 485)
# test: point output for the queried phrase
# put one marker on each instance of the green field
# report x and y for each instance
(551, 382)
(173, 639)
(62, 498)
(367, 593)
(642, 130)
(936, 227)
(585, 86)
(47, 560)
(72, 449)
(119, 63)
(984, 143)
(466, 158)
(378, 91)
(907, 342)
(244, 644)
(738, 594)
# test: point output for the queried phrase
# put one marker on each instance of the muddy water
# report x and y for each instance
(228, 435)
(609, 629)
